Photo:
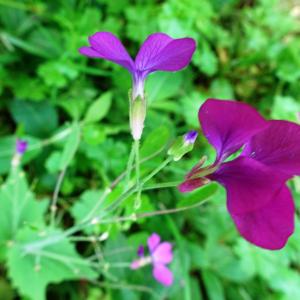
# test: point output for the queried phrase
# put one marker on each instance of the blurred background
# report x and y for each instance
(247, 50)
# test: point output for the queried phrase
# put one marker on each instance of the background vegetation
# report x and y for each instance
(247, 50)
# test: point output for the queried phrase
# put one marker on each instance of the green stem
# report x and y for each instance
(98, 203)
(55, 239)
(161, 185)
(53, 206)
(137, 202)
(157, 170)
(130, 163)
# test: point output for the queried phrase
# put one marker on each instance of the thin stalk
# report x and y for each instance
(151, 214)
(137, 202)
(125, 286)
(130, 163)
(53, 206)
(98, 203)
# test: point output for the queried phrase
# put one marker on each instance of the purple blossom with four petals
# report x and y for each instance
(159, 52)
(258, 198)
(160, 255)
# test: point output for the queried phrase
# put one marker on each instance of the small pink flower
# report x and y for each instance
(160, 255)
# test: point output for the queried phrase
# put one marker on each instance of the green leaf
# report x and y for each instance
(221, 89)
(161, 86)
(285, 108)
(156, 141)
(39, 119)
(88, 200)
(99, 108)
(200, 195)
(213, 286)
(31, 272)
(18, 207)
(71, 146)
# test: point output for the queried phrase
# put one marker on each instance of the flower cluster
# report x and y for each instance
(258, 198)
(160, 255)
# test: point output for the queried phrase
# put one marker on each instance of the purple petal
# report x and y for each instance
(278, 146)
(153, 241)
(162, 274)
(163, 253)
(250, 185)
(107, 46)
(228, 125)
(270, 226)
(162, 53)
(90, 52)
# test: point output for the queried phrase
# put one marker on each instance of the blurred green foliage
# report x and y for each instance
(74, 113)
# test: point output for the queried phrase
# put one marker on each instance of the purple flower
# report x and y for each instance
(258, 199)
(160, 255)
(21, 146)
(159, 52)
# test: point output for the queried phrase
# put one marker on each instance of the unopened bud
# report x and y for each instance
(21, 146)
(183, 145)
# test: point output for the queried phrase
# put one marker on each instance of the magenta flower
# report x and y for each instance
(159, 52)
(258, 199)
(21, 146)
(160, 255)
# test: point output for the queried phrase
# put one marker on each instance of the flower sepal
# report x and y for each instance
(183, 145)
(138, 109)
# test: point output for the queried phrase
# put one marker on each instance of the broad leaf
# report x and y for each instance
(99, 108)
(32, 271)
(71, 146)
(18, 207)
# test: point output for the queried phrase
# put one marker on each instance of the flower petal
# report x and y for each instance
(135, 264)
(269, 227)
(163, 253)
(228, 125)
(162, 274)
(250, 185)
(162, 53)
(278, 146)
(90, 52)
(109, 47)
(153, 241)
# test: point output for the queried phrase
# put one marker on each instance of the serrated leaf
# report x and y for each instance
(18, 207)
(71, 146)
(99, 108)
(31, 272)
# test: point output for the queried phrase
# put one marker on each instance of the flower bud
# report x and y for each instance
(21, 146)
(183, 145)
